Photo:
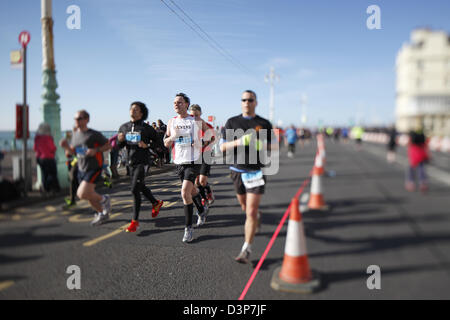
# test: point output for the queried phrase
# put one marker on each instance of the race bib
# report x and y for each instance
(184, 141)
(252, 179)
(81, 151)
(133, 137)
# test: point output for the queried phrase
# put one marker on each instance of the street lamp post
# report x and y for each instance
(50, 107)
(271, 78)
(303, 101)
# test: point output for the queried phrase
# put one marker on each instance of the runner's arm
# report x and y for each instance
(168, 138)
(66, 146)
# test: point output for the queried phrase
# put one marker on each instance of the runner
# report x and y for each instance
(89, 145)
(248, 179)
(202, 180)
(291, 140)
(183, 133)
(135, 135)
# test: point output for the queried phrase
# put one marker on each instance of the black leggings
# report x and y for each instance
(73, 176)
(137, 173)
(49, 174)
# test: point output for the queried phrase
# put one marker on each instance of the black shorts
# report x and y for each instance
(205, 169)
(188, 171)
(91, 176)
(240, 187)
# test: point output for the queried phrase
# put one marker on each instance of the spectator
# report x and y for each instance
(418, 157)
(45, 153)
(162, 128)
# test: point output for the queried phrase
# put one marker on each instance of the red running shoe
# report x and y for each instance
(211, 198)
(156, 207)
(134, 225)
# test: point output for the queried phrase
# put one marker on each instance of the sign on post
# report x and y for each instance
(19, 121)
(16, 58)
(24, 38)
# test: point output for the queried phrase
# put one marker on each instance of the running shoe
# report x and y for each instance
(201, 219)
(106, 204)
(69, 204)
(243, 257)
(134, 225)
(410, 186)
(99, 218)
(211, 198)
(202, 216)
(156, 207)
(424, 187)
(188, 234)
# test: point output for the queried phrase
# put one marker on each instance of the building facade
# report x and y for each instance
(423, 83)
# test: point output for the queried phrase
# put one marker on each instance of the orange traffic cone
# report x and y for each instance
(316, 201)
(295, 275)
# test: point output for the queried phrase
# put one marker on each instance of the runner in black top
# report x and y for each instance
(135, 135)
(247, 134)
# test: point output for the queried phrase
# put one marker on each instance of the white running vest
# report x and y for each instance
(185, 151)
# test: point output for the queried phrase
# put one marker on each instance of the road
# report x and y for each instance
(372, 221)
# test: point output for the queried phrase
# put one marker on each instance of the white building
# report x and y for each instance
(423, 83)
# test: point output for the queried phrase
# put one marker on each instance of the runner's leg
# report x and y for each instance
(251, 222)
(86, 191)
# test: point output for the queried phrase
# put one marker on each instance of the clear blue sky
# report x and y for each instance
(139, 50)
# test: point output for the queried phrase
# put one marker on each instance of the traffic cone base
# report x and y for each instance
(295, 269)
(316, 202)
(310, 286)
(295, 275)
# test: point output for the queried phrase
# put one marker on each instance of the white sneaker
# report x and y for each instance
(202, 217)
(107, 204)
(243, 257)
(188, 234)
(99, 218)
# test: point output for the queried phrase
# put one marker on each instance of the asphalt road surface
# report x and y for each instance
(372, 221)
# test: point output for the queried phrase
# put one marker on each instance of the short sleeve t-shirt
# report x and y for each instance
(239, 125)
(82, 141)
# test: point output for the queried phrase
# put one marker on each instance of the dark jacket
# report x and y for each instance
(146, 133)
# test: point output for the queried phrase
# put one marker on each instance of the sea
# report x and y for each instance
(9, 143)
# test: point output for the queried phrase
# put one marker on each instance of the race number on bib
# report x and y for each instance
(81, 151)
(184, 141)
(133, 137)
(252, 179)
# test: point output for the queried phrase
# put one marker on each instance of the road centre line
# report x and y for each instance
(6, 284)
(50, 218)
(106, 236)
(76, 218)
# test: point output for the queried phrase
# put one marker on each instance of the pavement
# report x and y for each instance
(372, 221)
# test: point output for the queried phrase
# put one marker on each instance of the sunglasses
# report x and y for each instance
(249, 100)
(79, 118)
